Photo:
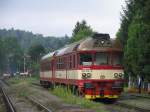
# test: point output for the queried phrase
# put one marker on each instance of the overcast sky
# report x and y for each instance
(58, 17)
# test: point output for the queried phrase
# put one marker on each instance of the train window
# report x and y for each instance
(46, 66)
(117, 59)
(101, 58)
(86, 59)
(63, 63)
(60, 63)
(70, 62)
(74, 61)
(57, 63)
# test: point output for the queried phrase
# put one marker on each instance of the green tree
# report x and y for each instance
(134, 34)
(36, 51)
(2, 57)
(13, 53)
(26, 39)
(126, 19)
(81, 30)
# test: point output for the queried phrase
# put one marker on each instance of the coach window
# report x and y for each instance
(74, 61)
(101, 58)
(48, 66)
(70, 61)
(60, 63)
(86, 59)
(117, 59)
(57, 63)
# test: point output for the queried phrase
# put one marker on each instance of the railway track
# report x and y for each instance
(121, 106)
(39, 105)
(125, 105)
(9, 105)
(7, 101)
(140, 96)
(36, 84)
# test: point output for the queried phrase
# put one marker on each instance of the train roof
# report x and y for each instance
(48, 55)
(97, 42)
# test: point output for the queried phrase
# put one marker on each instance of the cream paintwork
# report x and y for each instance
(47, 74)
(72, 74)
(96, 74)
(77, 74)
(60, 74)
(41, 74)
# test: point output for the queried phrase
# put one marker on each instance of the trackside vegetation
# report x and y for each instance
(134, 34)
(20, 87)
(70, 98)
(20, 80)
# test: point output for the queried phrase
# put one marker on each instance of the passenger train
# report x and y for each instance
(91, 67)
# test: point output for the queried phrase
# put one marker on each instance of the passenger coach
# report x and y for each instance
(91, 67)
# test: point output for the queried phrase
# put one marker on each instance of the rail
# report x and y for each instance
(140, 96)
(132, 107)
(38, 104)
(36, 84)
(8, 103)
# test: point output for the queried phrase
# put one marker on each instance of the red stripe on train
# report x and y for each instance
(101, 67)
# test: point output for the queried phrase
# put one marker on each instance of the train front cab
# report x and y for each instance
(101, 74)
(104, 89)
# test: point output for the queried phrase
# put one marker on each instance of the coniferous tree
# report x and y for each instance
(81, 30)
(134, 33)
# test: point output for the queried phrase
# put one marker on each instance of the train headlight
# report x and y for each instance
(86, 75)
(118, 75)
(83, 75)
(115, 75)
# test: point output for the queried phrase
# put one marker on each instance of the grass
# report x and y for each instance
(68, 97)
(22, 90)
(20, 85)
(19, 80)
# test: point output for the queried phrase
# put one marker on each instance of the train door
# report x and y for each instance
(53, 70)
(66, 65)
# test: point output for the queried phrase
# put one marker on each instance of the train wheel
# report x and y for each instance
(41, 82)
(46, 84)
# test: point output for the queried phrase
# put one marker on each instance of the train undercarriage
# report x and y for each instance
(90, 90)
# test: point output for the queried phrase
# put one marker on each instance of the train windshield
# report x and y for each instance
(101, 58)
(117, 59)
(86, 59)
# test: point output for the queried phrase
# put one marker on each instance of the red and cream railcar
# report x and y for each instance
(92, 67)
